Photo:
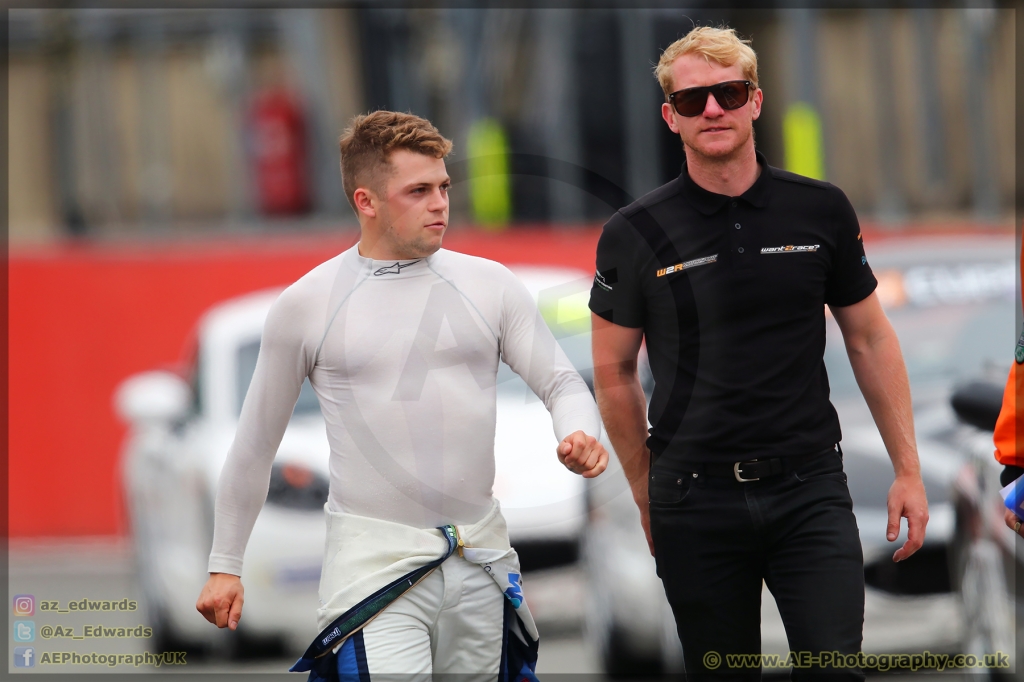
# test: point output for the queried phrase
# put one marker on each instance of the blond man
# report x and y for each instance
(401, 341)
(726, 272)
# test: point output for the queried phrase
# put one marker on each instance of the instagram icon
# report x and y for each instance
(24, 605)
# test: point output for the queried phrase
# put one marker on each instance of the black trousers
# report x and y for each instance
(716, 539)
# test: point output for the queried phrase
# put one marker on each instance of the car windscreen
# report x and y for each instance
(247, 354)
(954, 323)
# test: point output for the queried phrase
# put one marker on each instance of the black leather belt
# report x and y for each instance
(751, 469)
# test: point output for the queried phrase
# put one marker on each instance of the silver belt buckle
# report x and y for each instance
(736, 473)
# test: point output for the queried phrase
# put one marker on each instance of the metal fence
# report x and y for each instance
(134, 121)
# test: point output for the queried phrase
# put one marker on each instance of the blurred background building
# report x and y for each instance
(136, 121)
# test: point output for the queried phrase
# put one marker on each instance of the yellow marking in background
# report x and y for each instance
(572, 308)
(801, 133)
(568, 315)
(490, 191)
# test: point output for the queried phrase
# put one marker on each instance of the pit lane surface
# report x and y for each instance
(102, 572)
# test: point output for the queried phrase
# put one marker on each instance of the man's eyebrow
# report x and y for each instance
(415, 185)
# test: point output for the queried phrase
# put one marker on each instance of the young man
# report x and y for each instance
(726, 271)
(401, 341)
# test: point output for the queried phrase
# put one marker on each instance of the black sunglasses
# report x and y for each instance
(729, 95)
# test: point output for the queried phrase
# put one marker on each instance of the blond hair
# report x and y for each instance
(367, 143)
(720, 45)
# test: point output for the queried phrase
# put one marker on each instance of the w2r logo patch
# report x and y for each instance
(679, 267)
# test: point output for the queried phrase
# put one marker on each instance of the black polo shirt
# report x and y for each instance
(731, 294)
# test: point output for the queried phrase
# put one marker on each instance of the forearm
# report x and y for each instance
(620, 399)
(281, 367)
(575, 411)
(530, 349)
(245, 478)
(882, 376)
(567, 399)
(241, 493)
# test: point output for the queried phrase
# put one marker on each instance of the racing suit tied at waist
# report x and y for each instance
(368, 563)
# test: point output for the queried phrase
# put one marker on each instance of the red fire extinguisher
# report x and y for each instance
(279, 153)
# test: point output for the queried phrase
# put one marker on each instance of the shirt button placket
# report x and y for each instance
(737, 233)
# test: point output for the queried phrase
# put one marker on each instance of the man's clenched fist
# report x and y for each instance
(582, 454)
(220, 602)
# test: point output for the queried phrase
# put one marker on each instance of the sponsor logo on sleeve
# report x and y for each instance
(687, 265)
(602, 281)
(1018, 352)
(806, 248)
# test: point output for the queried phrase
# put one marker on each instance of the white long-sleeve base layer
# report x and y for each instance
(403, 357)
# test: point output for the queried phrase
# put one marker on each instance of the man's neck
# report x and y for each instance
(731, 176)
(373, 246)
(377, 251)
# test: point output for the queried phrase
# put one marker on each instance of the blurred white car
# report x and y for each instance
(951, 302)
(180, 434)
(987, 557)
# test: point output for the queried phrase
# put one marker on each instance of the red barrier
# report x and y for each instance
(83, 318)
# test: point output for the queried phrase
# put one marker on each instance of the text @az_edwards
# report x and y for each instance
(95, 632)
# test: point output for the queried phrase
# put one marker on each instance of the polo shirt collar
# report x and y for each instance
(708, 202)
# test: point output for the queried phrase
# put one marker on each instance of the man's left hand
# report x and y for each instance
(582, 454)
(907, 498)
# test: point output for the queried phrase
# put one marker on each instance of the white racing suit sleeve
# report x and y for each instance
(285, 359)
(530, 349)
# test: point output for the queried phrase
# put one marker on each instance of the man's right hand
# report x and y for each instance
(220, 602)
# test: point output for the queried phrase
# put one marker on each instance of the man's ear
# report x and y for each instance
(758, 99)
(366, 202)
(666, 113)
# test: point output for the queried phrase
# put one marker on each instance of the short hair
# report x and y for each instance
(367, 143)
(720, 45)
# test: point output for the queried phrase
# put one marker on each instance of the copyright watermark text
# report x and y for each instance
(882, 662)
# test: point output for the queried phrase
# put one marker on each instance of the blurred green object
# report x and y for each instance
(567, 314)
(801, 131)
(490, 191)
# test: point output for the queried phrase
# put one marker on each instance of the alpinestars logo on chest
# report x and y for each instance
(393, 269)
(809, 248)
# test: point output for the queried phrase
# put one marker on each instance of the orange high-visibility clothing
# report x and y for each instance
(1008, 447)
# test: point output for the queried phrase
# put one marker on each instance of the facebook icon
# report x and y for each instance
(24, 657)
